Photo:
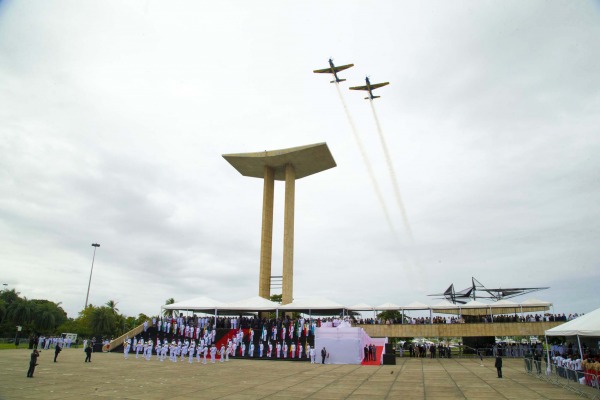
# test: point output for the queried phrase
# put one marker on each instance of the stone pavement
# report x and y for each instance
(110, 376)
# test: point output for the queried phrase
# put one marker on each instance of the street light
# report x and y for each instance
(95, 245)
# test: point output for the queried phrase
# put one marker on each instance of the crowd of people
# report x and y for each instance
(425, 350)
(468, 319)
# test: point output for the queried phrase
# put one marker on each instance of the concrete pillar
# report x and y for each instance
(288, 236)
(266, 241)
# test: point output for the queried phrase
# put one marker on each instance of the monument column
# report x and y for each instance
(280, 165)
(266, 242)
(288, 236)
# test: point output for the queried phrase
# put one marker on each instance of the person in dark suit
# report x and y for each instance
(323, 355)
(32, 363)
(88, 353)
(57, 350)
(498, 366)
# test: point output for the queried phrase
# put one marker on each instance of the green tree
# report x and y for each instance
(112, 305)
(103, 321)
(20, 312)
(10, 296)
(142, 318)
(277, 298)
(168, 313)
(390, 314)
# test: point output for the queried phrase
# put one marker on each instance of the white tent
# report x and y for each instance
(202, 303)
(255, 303)
(585, 325)
(474, 307)
(445, 307)
(531, 305)
(361, 307)
(415, 305)
(309, 304)
(388, 306)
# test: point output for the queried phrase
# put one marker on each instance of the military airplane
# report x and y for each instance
(333, 70)
(370, 87)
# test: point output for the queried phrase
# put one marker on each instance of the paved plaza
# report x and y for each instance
(110, 376)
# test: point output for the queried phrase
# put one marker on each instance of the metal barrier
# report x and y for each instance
(580, 382)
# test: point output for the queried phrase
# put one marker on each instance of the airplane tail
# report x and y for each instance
(339, 80)
(373, 97)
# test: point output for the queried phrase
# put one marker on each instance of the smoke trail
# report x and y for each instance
(414, 265)
(393, 177)
(363, 153)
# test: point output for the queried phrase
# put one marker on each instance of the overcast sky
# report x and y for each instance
(114, 117)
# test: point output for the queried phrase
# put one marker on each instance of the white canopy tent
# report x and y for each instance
(585, 325)
(255, 303)
(388, 307)
(360, 307)
(201, 303)
(309, 304)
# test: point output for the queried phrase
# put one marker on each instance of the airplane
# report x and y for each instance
(333, 70)
(370, 87)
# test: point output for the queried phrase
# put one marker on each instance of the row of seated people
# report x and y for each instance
(466, 319)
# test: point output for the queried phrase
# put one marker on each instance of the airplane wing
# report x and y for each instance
(343, 67)
(378, 85)
(360, 88)
(336, 69)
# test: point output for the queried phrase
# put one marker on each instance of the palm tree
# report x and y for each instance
(168, 313)
(45, 320)
(112, 305)
(103, 321)
(21, 311)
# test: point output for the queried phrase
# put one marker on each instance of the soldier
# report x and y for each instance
(191, 349)
(213, 353)
(204, 353)
(222, 353)
(127, 347)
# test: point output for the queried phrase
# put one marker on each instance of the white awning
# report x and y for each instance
(585, 325)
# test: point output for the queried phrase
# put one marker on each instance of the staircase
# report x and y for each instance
(118, 342)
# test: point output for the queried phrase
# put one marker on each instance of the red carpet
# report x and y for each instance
(379, 355)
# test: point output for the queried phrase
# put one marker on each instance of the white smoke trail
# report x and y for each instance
(414, 265)
(363, 153)
(393, 177)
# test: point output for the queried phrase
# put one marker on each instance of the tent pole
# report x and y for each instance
(491, 315)
(430, 317)
(549, 368)
(402, 320)
(580, 349)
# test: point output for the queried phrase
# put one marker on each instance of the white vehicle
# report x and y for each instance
(72, 336)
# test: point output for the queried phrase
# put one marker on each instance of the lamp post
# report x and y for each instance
(95, 245)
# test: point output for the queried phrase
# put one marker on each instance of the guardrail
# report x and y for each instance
(580, 382)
